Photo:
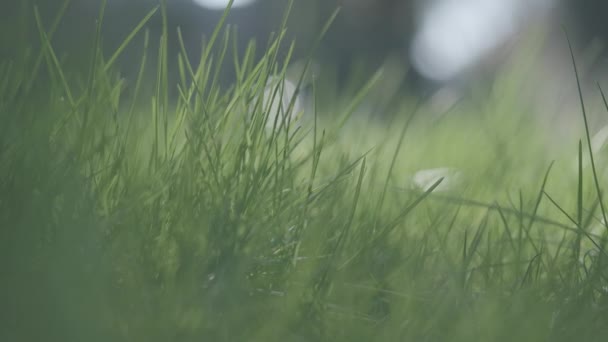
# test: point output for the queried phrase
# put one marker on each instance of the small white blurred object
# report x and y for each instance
(424, 179)
(278, 95)
(598, 142)
(222, 4)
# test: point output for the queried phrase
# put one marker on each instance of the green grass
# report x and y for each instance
(148, 218)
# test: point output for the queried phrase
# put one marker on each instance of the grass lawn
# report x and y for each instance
(129, 214)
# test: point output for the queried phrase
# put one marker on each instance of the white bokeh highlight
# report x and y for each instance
(222, 4)
(424, 179)
(455, 34)
(278, 95)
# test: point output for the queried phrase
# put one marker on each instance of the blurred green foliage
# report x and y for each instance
(142, 218)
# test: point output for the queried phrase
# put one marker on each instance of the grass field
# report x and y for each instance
(208, 217)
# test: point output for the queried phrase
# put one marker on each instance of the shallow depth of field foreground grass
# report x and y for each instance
(207, 217)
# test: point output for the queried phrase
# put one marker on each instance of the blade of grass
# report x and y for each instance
(49, 36)
(404, 130)
(587, 132)
(580, 228)
(54, 62)
(129, 38)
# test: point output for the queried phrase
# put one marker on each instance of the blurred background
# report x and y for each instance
(431, 48)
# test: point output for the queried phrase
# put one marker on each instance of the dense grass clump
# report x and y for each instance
(218, 214)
